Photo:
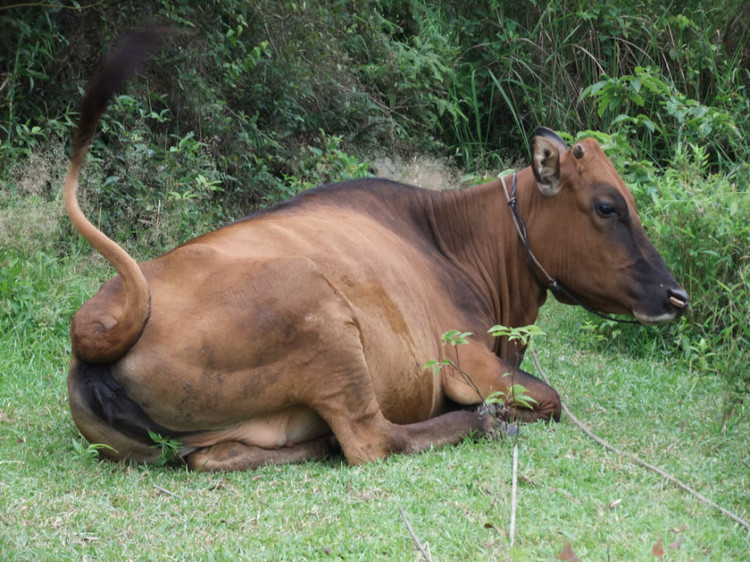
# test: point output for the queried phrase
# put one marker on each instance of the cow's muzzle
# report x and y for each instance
(676, 305)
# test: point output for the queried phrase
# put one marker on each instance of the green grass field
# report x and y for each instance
(57, 501)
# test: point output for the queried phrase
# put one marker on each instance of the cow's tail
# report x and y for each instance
(101, 335)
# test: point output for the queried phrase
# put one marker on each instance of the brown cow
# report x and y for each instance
(263, 341)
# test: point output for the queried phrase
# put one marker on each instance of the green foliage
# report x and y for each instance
(259, 80)
(530, 61)
(256, 83)
(89, 451)
(522, 334)
(210, 131)
(321, 165)
(29, 46)
(517, 395)
(455, 337)
(169, 448)
(171, 188)
(667, 120)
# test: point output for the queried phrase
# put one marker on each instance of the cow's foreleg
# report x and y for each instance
(483, 373)
(547, 405)
(379, 438)
(348, 404)
(449, 429)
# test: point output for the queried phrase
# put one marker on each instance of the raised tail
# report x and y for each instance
(101, 334)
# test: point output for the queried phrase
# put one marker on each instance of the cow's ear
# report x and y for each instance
(546, 161)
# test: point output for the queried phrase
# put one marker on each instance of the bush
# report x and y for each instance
(256, 82)
(701, 224)
(214, 128)
(526, 64)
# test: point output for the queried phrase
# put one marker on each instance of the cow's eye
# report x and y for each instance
(605, 210)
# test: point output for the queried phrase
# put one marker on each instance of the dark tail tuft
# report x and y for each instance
(121, 64)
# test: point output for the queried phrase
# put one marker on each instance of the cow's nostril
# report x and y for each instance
(678, 298)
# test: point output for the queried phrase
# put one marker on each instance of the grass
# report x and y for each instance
(58, 502)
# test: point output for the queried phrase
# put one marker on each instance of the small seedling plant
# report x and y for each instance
(169, 448)
(90, 451)
(517, 395)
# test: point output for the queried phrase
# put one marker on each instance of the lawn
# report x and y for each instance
(57, 501)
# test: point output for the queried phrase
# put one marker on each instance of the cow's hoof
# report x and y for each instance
(505, 428)
(496, 409)
(499, 426)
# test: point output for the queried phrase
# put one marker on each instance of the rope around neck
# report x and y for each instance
(552, 284)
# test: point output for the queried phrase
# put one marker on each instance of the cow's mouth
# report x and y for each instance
(676, 304)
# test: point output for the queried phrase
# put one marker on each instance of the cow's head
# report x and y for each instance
(587, 229)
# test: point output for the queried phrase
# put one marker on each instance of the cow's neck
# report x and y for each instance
(473, 227)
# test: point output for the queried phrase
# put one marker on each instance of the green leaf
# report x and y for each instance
(593, 90)
(454, 337)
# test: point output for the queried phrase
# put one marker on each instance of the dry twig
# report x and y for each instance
(513, 491)
(163, 490)
(414, 536)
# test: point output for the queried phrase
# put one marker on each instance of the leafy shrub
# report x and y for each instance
(701, 224)
(525, 64)
(667, 120)
(256, 81)
(323, 164)
(24, 64)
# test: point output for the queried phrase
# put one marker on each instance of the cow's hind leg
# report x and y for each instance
(235, 455)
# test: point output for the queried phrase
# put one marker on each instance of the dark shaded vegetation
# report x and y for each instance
(254, 101)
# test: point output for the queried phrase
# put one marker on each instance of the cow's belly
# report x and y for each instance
(289, 427)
